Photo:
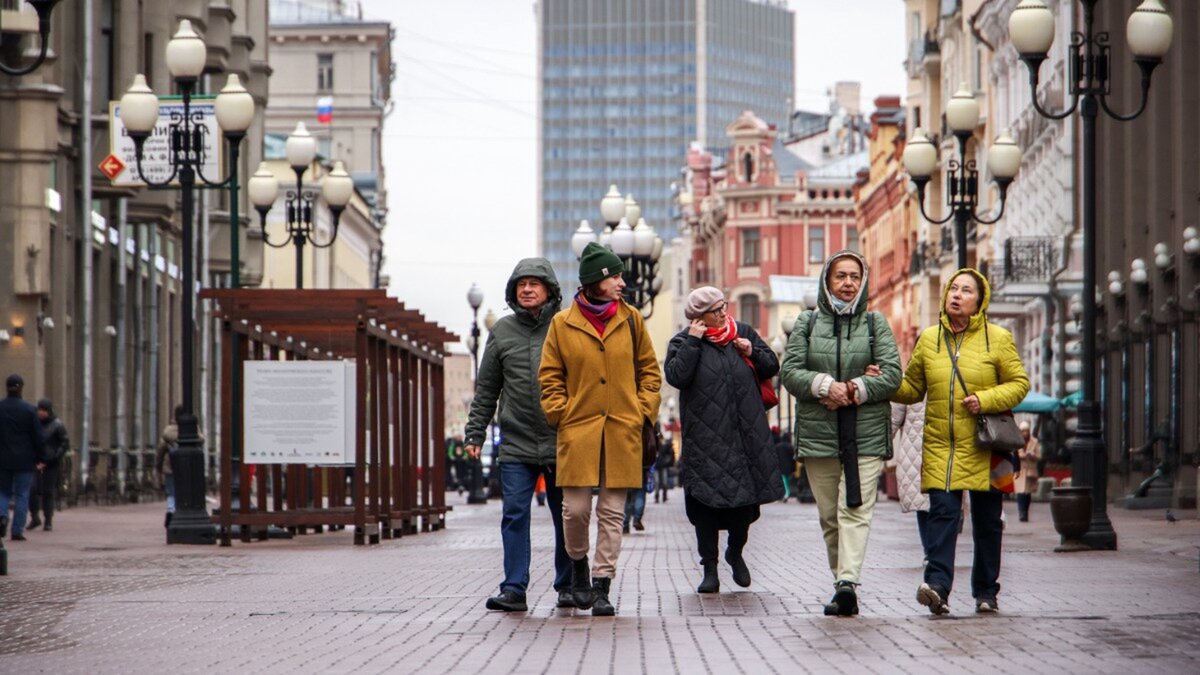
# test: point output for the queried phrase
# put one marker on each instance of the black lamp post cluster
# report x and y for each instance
(336, 189)
(962, 177)
(637, 245)
(44, 9)
(1148, 33)
(186, 57)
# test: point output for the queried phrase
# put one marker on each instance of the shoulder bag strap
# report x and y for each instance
(954, 365)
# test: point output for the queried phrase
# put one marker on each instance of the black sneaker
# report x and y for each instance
(507, 601)
(934, 598)
(565, 599)
(986, 606)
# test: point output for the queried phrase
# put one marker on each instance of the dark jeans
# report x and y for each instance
(923, 530)
(45, 492)
(662, 483)
(1023, 500)
(709, 521)
(635, 505)
(519, 480)
(14, 487)
(945, 510)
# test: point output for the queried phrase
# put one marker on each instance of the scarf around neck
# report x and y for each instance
(722, 335)
(597, 314)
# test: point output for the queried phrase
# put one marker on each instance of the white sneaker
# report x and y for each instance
(929, 596)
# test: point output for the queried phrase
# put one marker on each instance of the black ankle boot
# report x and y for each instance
(602, 606)
(711, 583)
(844, 602)
(741, 573)
(581, 585)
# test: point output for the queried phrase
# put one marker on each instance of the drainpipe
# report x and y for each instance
(139, 356)
(119, 410)
(85, 239)
(200, 244)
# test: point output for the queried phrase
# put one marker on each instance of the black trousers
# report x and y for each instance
(709, 521)
(45, 492)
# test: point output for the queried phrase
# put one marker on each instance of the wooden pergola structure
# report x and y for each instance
(398, 479)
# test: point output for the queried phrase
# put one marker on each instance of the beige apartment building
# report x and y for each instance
(90, 291)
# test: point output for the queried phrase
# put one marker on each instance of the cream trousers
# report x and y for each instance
(845, 530)
(610, 515)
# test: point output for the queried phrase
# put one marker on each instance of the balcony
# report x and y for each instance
(923, 54)
(1027, 267)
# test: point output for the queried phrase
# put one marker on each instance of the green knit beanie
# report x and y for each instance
(597, 263)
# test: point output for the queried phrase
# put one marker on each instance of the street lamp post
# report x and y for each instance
(638, 247)
(475, 298)
(1148, 32)
(962, 178)
(336, 189)
(44, 8)
(186, 56)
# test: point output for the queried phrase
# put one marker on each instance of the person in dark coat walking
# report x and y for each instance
(21, 455)
(728, 456)
(508, 382)
(56, 443)
(787, 463)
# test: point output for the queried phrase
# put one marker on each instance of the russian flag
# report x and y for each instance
(325, 109)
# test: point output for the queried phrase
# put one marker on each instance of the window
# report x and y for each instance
(748, 166)
(325, 73)
(852, 239)
(750, 238)
(916, 117)
(748, 310)
(816, 244)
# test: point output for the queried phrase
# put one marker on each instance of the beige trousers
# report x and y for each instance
(610, 515)
(845, 530)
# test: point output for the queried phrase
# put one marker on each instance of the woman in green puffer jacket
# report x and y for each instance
(842, 365)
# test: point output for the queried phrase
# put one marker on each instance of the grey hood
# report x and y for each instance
(825, 297)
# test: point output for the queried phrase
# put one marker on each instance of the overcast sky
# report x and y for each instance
(460, 144)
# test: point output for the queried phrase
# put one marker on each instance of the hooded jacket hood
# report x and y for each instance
(825, 296)
(45, 404)
(979, 318)
(541, 269)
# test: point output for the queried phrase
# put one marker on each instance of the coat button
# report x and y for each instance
(603, 381)
(601, 347)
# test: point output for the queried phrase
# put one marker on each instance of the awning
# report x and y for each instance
(1038, 403)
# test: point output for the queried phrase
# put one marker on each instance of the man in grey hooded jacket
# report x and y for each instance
(508, 388)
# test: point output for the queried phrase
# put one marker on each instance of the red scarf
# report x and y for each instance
(722, 335)
(597, 315)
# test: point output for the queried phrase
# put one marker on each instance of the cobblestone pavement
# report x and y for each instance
(103, 594)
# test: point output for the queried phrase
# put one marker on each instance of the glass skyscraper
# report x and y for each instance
(626, 85)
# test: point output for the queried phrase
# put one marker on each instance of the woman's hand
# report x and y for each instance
(873, 371)
(972, 404)
(697, 328)
(742, 345)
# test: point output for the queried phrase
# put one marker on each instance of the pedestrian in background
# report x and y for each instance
(168, 442)
(962, 367)
(908, 426)
(728, 455)
(55, 444)
(1026, 482)
(508, 388)
(841, 366)
(21, 455)
(662, 467)
(786, 454)
(600, 384)
(635, 508)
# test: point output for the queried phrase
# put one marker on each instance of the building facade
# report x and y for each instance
(92, 298)
(625, 87)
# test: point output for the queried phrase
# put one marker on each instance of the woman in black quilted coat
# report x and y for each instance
(728, 455)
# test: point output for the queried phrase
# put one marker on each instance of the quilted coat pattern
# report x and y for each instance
(840, 347)
(908, 422)
(728, 453)
(990, 364)
(595, 392)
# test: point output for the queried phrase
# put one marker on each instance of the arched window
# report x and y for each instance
(748, 166)
(748, 310)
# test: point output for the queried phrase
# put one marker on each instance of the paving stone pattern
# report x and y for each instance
(102, 593)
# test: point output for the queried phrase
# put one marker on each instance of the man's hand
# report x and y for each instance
(41, 466)
(839, 393)
(472, 451)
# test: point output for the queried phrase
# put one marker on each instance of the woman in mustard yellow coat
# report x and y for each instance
(600, 379)
(986, 357)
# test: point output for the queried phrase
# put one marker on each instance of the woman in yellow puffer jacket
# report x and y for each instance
(988, 361)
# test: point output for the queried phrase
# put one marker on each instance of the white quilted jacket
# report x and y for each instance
(908, 423)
